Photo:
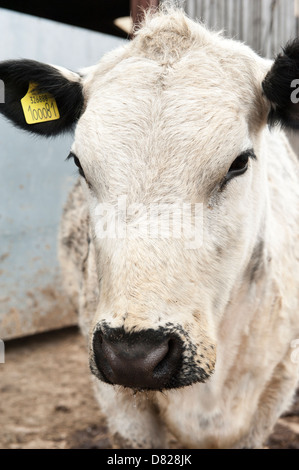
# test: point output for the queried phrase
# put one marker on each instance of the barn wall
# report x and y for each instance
(265, 25)
(34, 182)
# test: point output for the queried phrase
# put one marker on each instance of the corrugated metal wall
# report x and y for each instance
(265, 25)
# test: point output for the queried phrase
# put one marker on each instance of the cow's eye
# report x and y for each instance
(239, 165)
(77, 163)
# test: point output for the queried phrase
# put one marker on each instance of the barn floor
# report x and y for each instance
(46, 395)
(47, 400)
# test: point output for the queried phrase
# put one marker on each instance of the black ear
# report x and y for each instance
(281, 87)
(52, 87)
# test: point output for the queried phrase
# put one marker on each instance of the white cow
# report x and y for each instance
(179, 116)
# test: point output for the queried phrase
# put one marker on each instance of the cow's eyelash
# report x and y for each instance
(239, 166)
(77, 163)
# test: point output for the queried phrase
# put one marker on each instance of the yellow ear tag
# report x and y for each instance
(39, 107)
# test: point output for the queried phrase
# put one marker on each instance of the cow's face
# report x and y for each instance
(170, 151)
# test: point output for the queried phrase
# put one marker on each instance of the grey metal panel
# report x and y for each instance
(265, 25)
(34, 182)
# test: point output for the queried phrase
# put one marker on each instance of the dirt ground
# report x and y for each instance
(47, 400)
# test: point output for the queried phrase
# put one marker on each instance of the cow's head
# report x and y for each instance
(175, 117)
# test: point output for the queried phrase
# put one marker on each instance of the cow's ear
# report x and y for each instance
(40, 98)
(281, 87)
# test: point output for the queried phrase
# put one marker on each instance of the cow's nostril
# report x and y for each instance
(171, 359)
(144, 360)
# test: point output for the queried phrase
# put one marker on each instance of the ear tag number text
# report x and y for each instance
(39, 107)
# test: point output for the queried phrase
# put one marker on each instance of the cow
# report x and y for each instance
(187, 337)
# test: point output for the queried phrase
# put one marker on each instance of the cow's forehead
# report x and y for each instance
(156, 109)
(179, 66)
(141, 106)
(140, 137)
(153, 113)
(173, 42)
(210, 66)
